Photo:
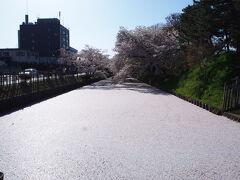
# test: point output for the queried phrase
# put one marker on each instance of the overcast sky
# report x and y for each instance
(92, 22)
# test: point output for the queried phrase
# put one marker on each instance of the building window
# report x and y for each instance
(5, 54)
(20, 53)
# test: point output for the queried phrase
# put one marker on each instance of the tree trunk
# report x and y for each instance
(238, 49)
(227, 42)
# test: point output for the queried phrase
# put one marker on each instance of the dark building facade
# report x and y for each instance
(46, 36)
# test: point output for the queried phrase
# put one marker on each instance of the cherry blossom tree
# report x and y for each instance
(90, 60)
(147, 51)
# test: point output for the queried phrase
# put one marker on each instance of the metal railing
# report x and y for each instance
(13, 84)
(7, 79)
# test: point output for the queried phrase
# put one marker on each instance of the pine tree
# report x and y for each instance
(213, 23)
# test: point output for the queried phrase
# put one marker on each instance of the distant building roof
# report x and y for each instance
(49, 20)
(73, 50)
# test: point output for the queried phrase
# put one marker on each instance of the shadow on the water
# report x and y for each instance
(101, 85)
(133, 86)
(23, 106)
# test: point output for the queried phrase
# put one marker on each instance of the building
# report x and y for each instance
(38, 43)
(15, 55)
(46, 36)
(72, 50)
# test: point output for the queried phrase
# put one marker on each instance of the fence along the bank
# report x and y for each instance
(12, 85)
(7, 79)
(231, 96)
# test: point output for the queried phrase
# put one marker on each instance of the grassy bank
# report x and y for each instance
(205, 82)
